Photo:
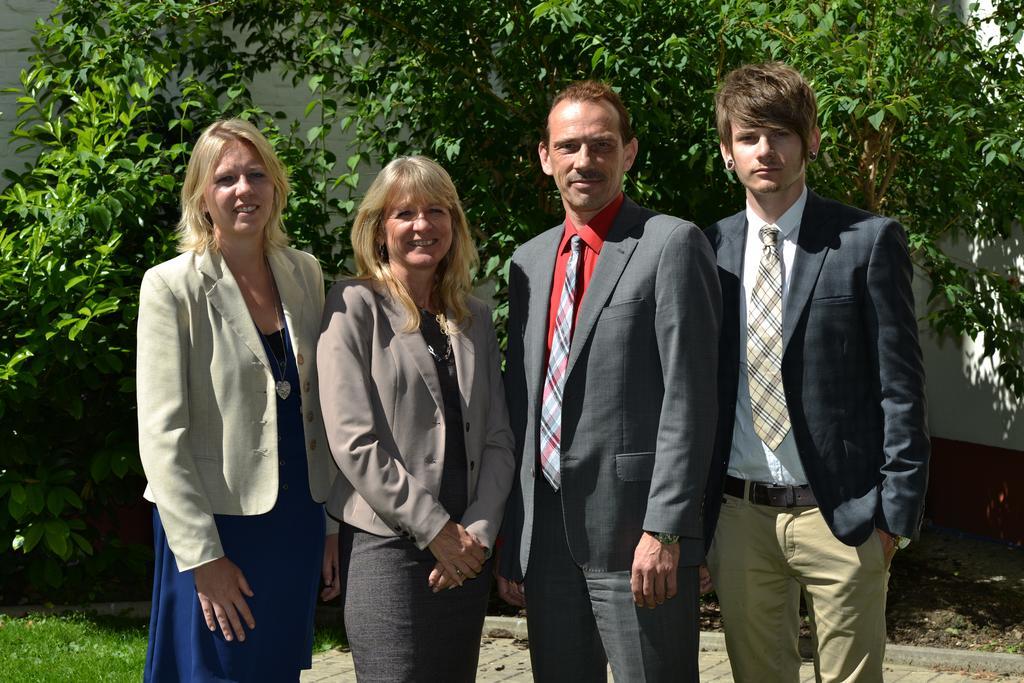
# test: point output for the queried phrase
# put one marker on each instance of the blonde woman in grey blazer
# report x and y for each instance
(230, 432)
(415, 415)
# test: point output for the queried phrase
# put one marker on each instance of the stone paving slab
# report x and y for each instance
(508, 660)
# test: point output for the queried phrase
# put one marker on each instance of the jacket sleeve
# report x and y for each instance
(687, 321)
(164, 422)
(513, 521)
(317, 285)
(905, 444)
(497, 465)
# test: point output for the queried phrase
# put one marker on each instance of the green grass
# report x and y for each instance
(72, 647)
(87, 647)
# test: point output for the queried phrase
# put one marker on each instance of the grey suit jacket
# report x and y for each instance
(638, 410)
(207, 407)
(384, 413)
(851, 369)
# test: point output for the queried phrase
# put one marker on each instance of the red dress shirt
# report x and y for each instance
(592, 234)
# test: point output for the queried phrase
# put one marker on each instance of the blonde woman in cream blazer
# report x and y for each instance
(415, 415)
(230, 433)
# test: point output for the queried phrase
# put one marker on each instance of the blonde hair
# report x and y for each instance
(195, 229)
(419, 179)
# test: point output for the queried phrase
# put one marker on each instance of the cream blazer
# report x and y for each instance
(383, 409)
(206, 400)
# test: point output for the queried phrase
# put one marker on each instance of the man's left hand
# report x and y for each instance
(888, 545)
(653, 577)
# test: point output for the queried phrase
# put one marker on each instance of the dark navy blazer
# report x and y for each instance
(851, 369)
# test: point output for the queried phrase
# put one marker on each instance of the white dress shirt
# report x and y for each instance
(750, 458)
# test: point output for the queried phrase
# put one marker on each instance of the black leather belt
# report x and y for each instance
(771, 494)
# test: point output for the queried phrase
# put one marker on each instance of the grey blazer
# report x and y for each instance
(207, 407)
(384, 412)
(638, 410)
(851, 369)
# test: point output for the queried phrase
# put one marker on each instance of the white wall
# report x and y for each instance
(17, 18)
(966, 402)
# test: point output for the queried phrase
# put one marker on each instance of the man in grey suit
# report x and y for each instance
(822, 449)
(610, 379)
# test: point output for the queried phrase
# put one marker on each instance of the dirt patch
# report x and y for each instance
(949, 591)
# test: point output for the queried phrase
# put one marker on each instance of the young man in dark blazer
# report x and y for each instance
(610, 376)
(821, 455)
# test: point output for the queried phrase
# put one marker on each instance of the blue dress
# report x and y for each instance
(280, 555)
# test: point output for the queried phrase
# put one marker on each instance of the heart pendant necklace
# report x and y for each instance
(284, 388)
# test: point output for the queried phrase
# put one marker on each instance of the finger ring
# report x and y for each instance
(458, 572)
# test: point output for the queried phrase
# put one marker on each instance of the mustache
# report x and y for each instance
(585, 175)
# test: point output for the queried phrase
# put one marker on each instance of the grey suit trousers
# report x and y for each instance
(575, 616)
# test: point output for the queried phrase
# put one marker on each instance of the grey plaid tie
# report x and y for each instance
(764, 344)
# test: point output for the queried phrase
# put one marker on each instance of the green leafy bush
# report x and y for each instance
(113, 100)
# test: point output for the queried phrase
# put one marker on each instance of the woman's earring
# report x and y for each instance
(382, 251)
(813, 155)
(730, 164)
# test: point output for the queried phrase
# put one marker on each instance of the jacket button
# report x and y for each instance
(467, 427)
(309, 416)
(284, 487)
(305, 387)
(471, 465)
(299, 359)
(312, 444)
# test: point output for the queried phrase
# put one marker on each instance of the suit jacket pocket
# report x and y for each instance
(834, 300)
(635, 466)
(622, 309)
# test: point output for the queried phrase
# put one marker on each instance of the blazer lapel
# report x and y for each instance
(733, 235)
(293, 300)
(618, 247)
(816, 232)
(413, 344)
(224, 295)
(539, 273)
(465, 360)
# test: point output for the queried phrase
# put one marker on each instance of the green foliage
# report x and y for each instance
(112, 108)
(921, 121)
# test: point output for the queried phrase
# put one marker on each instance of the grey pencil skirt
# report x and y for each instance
(398, 629)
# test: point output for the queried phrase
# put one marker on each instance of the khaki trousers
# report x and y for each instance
(761, 559)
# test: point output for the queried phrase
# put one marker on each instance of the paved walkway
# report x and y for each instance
(505, 659)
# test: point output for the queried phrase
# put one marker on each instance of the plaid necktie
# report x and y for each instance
(764, 345)
(551, 408)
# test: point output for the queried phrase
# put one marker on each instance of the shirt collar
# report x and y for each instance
(596, 229)
(788, 222)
